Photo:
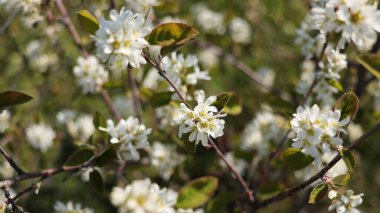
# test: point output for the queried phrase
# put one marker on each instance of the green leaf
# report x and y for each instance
(13, 98)
(318, 193)
(79, 157)
(197, 192)
(371, 62)
(335, 84)
(89, 22)
(221, 101)
(349, 159)
(161, 98)
(341, 180)
(96, 182)
(99, 120)
(348, 104)
(295, 159)
(171, 36)
(219, 203)
(106, 157)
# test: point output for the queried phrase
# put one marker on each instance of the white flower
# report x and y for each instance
(240, 30)
(202, 122)
(345, 202)
(209, 20)
(192, 78)
(40, 136)
(165, 158)
(336, 62)
(262, 133)
(82, 128)
(5, 116)
(354, 131)
(130, 134)
(65, 115)
(121, 39)
(90, 73)
(141, 6)
(6, 170)
(60, 207)
(41, 59)
(207, 58)
(317, 130)
(267, 76)
(142, 196)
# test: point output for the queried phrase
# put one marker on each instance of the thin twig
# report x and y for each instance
(135, 94)
(34, 186)
(10, 160)
(233, 60)
(11, 201)
(76, 38)
(9, 21)
(233, 170)
(291, 191)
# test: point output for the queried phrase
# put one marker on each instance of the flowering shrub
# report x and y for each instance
(103, 104)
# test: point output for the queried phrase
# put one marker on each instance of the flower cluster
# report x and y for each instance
(262, 133)
(145, 196)
(81, 128)
(40, 136)
(130, 135)
(317, 130)
(41, 59)
(30, 10)
(208, 20)
(202, 122)
(4, 120)
(121, 39)
(240, 30)
(165, 158)
(345, 202)
(90, 73)
(60, 207)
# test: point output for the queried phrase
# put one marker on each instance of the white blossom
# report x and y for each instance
(207, 58)
(202, 122)
(41, 59)
(267, 76)
(70, 206)
(240, 30)
(141, 6)
(142, 196)
(30, 10)
(317, 130)
(5, 116)
(130, 134)
(121, 39)
(40, 136)
(208, 20)
(165, 158)
(263, 132)
(354, 131)
(82, 128)
(345, 202)
(336, 62)
(90, 74)
(6, 170)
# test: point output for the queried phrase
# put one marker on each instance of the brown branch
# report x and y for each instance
(135, 94)
(34, 186)
(76, 38)
(11, 201)
(233, 60)
(291, 191)
(247, 191)
(14, 165)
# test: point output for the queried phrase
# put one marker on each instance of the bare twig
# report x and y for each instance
(9, 20)
(10, 160)
(34, 186)
(135, 94)
(233, 170)
(233, 60)
(11, 201)
(291, 191)
(108, 102)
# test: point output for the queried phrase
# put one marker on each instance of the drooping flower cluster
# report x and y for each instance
(121, 39)
(5, 115)
(70, 206)
(145, 196)
(90, 74)
(130, 134)
(240, 30)
(40, 136)
(262, 133)
(210, 21)
(317, 130)
(202, 122)
(345, 202)
(165, 158)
